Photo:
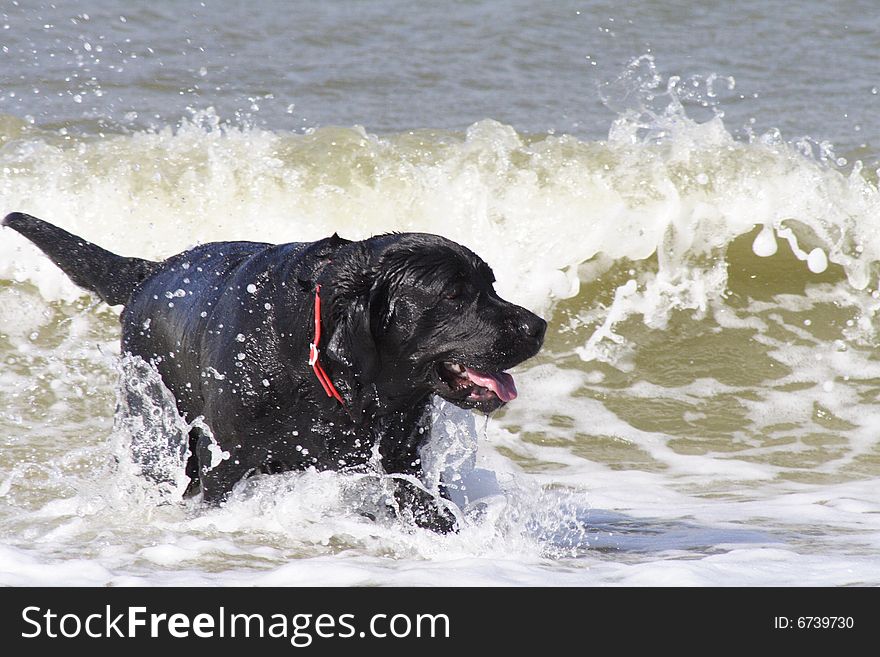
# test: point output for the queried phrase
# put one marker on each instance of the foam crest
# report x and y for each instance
(662, 187)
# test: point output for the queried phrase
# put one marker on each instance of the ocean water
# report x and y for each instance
(688, 195)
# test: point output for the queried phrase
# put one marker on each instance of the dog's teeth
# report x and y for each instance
(458, 369)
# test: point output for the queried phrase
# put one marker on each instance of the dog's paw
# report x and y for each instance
(424, 510)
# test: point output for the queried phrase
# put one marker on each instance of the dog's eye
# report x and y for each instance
(454, 291)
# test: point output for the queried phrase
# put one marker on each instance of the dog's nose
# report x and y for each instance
(534, 327)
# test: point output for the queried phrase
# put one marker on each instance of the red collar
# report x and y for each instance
(326, 383)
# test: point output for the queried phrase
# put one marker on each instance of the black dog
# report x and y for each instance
(310, 354)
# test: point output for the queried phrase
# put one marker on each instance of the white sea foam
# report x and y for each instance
(534, 208)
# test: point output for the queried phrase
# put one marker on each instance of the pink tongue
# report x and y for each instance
(501, 383)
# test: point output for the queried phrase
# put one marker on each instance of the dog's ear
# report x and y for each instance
(353, 344)
(354, 314)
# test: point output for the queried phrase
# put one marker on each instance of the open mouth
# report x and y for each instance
(468, 384)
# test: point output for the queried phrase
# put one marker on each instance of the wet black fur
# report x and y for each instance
(228, 327)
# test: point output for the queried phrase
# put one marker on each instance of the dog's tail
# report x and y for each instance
(110, 276)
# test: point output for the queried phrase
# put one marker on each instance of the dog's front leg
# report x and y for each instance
(426, 510)
(219, 470)
(400, 449)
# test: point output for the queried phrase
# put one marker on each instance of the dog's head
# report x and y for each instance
(417, 313)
